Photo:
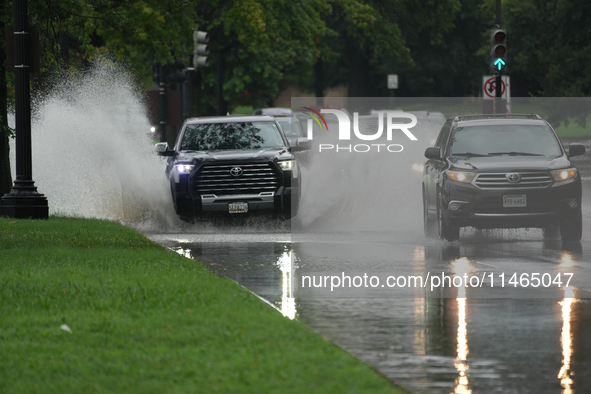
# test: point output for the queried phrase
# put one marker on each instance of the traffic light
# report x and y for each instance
(201, 50)
(498, 51)
(176, 71)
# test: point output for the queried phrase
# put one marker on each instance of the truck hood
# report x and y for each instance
(266, 154)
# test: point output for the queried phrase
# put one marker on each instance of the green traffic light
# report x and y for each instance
(500, 63)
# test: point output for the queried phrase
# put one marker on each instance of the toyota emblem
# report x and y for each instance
(236, 171)
(513, 177)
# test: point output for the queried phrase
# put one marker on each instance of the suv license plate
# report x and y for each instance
(238, 207)
(514, 201)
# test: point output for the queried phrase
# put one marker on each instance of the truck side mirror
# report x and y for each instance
(161, 149)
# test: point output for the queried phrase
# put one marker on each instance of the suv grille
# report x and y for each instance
(256, 178)
(529, 180)
(497, 207)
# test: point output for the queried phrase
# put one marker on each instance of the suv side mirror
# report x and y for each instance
(161, 148)
(576, 150)
(433, 152)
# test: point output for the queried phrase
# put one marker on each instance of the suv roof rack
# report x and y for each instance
(506, 116)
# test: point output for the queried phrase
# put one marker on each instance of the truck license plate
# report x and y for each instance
(514, 201)
(238, 207)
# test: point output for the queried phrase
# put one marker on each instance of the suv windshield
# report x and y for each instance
(228, 136)
(498, 140)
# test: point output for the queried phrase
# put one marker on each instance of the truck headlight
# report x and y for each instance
(461, 176)
(184, 168)
(289, 165)
(564, 175)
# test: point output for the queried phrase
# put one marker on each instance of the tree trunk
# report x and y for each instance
(359, 82)
(319, 82)
(222, 107)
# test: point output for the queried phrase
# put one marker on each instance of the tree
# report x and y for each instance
(448, 62)
(254, 44)
(549, 47)
(365, 37)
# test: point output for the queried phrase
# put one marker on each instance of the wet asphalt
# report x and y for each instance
(496, 335)
(508, 341)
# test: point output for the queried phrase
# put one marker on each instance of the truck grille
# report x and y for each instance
(529, 180)
(256, 178)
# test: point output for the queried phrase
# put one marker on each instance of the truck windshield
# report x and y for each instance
(231, 135)
(499, 140)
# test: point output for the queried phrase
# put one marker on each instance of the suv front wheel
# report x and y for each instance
(448, 230)
(571, 229)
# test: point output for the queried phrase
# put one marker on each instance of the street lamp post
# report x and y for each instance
(23, 201)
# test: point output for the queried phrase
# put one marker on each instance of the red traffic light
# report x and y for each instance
(500, 36)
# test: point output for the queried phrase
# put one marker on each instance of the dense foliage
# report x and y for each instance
(549, 47)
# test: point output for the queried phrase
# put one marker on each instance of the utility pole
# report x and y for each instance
(23, 201)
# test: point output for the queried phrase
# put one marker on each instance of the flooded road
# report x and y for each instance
(500, 311)
(464, 340)
(524, 328)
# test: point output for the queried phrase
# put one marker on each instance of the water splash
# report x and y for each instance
(92, 153)
(364, 191)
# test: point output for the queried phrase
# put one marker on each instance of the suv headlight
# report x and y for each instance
(461, 176)
(564, 175)
(184, 168)
(289, 165)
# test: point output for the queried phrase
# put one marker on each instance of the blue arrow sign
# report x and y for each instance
(500, 62)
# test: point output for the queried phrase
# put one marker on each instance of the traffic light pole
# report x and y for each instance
(23, 201)
(162, 91)
(177, 73)
(498, 103)
(498, 94)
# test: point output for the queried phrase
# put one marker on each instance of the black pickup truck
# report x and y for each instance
(232, 165)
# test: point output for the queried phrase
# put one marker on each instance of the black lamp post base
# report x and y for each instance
(24, 202)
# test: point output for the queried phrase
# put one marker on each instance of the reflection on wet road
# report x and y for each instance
(531, 336)
(467, 342)
(522, 325)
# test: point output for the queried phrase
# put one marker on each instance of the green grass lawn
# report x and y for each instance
(144, 319)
